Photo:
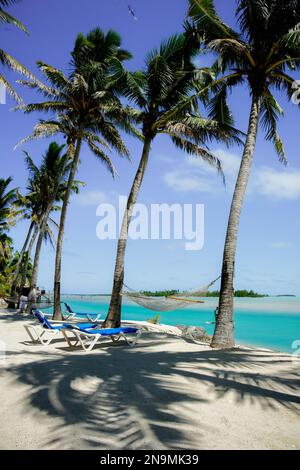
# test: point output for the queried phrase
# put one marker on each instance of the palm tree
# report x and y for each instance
(7, 269)
(49, 178)
(43, 185)
(7, 199)
(260, 55)
(21, 259)
(5, 58)
(88, 111)
(158, 91)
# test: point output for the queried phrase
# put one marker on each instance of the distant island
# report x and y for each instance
(286, 295)
(238, 293)
(159, 293)
(216, 293)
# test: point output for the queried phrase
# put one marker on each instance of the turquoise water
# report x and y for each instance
(272, 322)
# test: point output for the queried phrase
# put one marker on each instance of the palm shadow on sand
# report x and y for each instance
(123, 398)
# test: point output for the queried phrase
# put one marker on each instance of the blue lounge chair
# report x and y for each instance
(70, 314)
(37, 332)
(88, 337)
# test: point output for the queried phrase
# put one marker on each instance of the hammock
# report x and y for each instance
(171, 303)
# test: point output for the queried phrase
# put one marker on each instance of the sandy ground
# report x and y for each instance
(165, 393)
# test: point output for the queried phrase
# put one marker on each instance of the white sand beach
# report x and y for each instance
(165, 393)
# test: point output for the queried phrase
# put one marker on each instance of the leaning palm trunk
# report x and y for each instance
(113, 318)
(57, 274)
(35, 269)
(224, 331)
(27, 257)
(19, 262)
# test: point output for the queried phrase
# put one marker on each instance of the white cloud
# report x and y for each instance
(92, 198)
(280, 245)
(230, 163)
(183, 180)
(278, 184)
(197, 175)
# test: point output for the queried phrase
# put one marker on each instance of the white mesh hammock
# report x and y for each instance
(168, 304)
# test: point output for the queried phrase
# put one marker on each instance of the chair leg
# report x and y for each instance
(115, 339)
(93, 319)
(71, 343)
(33, 332)
(53, 334)
(88, 344)
(132, 342)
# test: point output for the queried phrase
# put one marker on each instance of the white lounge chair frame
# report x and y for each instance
(36, 334)
(89, 340)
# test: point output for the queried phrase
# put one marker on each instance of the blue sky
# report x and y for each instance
(268, 257)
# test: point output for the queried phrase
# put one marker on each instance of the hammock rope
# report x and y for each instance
(168, 303)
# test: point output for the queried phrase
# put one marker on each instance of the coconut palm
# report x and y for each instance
(169, 78)
(45, 185)
(88, 111)
(5, 58)
(260, 55)
(8, 198)
(7, 269)
(50, 181)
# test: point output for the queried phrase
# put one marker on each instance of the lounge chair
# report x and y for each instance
(92, 317)
(37, 332)
(88, 337)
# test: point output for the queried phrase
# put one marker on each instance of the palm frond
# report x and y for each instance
(103, 158)
(13, 64)
(201, 152)
(54, 75)
(208, 23)
(39, 86)
(7, 18)
(270, 112)
(10, 89)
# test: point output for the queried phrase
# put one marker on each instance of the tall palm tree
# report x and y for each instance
(89, 111)
(45, 182)
(260, 55)
(31, 206)
(50, 179)
(5, 58)
(169, 77)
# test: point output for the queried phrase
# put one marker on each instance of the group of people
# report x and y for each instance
(30, 297)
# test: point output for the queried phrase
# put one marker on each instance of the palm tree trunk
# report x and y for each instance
(19, 262)
(27, 256)
(113, 318)
(224, 331)
(57, 275)
(43, 226)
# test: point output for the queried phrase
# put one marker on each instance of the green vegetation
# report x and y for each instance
(9, 258)
(216, 293)
(155, 320)
(238, 293)
(160, 293)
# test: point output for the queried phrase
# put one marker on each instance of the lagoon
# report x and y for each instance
(270, 322)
